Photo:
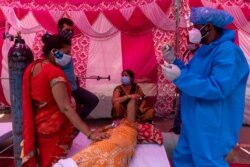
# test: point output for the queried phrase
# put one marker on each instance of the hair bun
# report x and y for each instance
(46, 37)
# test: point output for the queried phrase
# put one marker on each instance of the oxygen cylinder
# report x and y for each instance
(19, 56)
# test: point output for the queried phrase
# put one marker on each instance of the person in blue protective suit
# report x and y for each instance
(169, 53)
(213, 86)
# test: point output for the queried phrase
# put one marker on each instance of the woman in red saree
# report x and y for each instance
(48, 116)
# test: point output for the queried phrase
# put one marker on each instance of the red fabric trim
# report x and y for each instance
(246, 12)
(2, 20)
(92, 16)
(195, 3)
(138, 23)
(164, 5)
(74, 2)
(21, 13)
(43, 17)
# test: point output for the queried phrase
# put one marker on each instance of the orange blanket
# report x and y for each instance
(115, 151)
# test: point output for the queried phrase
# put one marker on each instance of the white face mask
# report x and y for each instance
(195, 36)
(64, 60)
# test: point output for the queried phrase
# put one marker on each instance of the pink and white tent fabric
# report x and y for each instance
(111, 36)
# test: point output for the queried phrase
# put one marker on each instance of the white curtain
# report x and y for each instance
(11, 18)
(27, 23)
(81, 21)
(239, 18)
(104, 58)
(157, 16)
(244, 40)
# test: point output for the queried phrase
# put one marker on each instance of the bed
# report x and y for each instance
(5, 134)
(5, 131)
(146, 155)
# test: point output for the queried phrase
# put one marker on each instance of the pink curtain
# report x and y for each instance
(75, 2)
(2, 20)
(92, 16)
(157, 16)
(81, 21)
(164, 5)
(136, 24)
(241, 17)
(11, 18)
(246, 12)
(21, 13)
(2, 98)
(46, 20)
(195, 3)
(233, 27)
(138, 55)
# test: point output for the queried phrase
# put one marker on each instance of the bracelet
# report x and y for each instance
(89, 134)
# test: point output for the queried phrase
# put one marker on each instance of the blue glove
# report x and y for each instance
(170, 71)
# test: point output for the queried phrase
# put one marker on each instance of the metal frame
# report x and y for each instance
(7, 147)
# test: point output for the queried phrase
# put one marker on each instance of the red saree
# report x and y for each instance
(47, 133)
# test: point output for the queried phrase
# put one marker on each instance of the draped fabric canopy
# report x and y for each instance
(113, 35)
(74, 2)
(127, 32)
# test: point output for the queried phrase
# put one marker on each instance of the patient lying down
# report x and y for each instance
(116, 151)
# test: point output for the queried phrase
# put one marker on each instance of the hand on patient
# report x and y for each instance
(170, 71)
(98, 135)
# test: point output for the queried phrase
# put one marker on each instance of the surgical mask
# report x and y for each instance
(125, 80)
(62, 59)
(195, 36)
(66, 33)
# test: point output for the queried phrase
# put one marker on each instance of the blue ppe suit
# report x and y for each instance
(213, 89)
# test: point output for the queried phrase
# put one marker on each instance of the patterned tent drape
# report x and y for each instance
(97, 21)
(136, 24)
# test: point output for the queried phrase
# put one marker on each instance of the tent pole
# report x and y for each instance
(177, 22)
(176, 106)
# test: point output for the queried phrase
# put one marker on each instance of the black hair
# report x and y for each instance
(131, 74)
(53, 42)
(63, 21)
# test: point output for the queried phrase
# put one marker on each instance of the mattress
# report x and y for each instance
(5, 131)
(146, 155)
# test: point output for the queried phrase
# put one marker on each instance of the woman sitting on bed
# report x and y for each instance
(124, 93)
(116, 151)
